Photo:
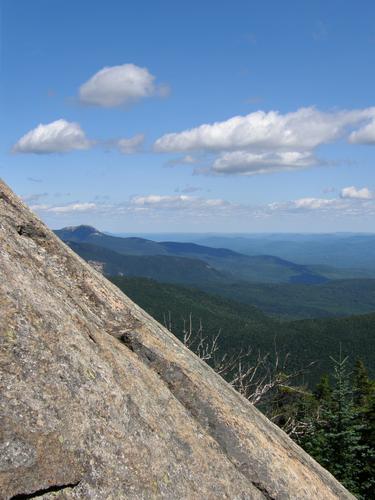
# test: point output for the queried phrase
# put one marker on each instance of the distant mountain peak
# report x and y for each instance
(82, 230)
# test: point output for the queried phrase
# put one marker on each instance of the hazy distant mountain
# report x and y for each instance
(237, 266)
(346, 250)
(287, 300)
(130, 246)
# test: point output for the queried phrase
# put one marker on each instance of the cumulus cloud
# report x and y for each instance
(314, 203)
(243, 162)
(66, 209)
(62, 136)
(176, 202)
(130, 145)
(59, 136)
(356, 194)
(303, 129)
(119, 85)
(365, 135)
(304, 205)
(263, 142)
(335, 207)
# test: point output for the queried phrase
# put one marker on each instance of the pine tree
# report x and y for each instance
(335, 440)
(362, 385)
(323, 391)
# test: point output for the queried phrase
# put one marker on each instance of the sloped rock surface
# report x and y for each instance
(97, 400)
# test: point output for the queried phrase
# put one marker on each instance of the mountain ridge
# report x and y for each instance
(239, 266)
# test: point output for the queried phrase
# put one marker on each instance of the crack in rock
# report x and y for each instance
(187, 394)
(42, 492)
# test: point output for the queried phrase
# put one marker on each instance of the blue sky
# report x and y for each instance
(207, 116)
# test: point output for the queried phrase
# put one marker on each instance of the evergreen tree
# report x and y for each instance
(323, 391)
(362, 385)
(335, 439)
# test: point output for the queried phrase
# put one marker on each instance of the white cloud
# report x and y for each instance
(59, 136)
(149, 204)
(356, 194)
(335, 207)
(130, 145)
(176, 202)
(365, 135)
(183, 208)
(66, 209)
(119, 85)
(304, 205)
(303, 129)
(314, 203)
(263, 142)
(245, 163)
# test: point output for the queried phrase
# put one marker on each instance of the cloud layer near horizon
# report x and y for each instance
(353, 202)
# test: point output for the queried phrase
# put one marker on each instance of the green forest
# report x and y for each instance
(242, 326)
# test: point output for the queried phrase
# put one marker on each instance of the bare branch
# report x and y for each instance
(262, 379)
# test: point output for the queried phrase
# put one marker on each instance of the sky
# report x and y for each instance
(214, 116)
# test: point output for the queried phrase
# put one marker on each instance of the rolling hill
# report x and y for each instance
(128, 246)
(159, 267)
(351, 252)
(236, 266)
(283, 300)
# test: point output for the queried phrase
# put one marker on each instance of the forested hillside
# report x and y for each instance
(277, 287)
(241, 326)
(293, 301)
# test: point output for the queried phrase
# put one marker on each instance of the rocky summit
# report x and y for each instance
(99, 401)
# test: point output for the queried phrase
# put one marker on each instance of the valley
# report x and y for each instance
(260, 301)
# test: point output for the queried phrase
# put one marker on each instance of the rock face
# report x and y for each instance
(99, 401)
